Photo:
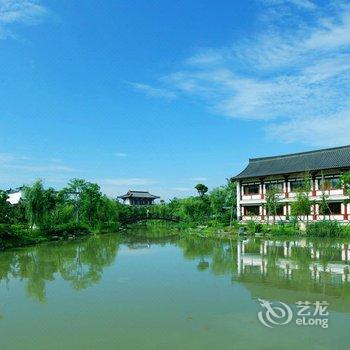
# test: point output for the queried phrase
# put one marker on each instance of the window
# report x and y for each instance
(252, 210)
(251, 189)
(279, 210)
(333, 208)
(329, 184)
(296, 185)
(274, 185)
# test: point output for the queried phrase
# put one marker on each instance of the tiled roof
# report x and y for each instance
(330, 158)
(138, 194)
(14, 190)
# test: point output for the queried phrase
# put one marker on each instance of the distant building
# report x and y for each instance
(14, 194)
(285, 174)
(138, 198)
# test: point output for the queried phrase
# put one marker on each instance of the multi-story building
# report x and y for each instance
(286, 174)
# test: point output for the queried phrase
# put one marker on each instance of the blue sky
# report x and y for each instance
(161, 95)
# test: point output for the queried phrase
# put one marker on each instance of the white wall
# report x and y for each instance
(14, 198)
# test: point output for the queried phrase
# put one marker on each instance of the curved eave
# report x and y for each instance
(243, 175)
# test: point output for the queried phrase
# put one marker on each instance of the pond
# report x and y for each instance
(183, 293)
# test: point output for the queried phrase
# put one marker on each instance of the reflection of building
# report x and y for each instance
(138, 198)
(296, 271)
(258, 261)
(285, 174)
(14, 195)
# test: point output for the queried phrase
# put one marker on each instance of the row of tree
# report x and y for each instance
(82, 203)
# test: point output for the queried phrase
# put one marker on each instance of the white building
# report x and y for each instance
(14, 195)
(138, 198)
(286, 173)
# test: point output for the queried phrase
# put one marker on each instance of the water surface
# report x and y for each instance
(106, 293)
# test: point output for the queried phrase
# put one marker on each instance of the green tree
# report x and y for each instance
(90, 201)
(5, 208)
(201, 189)
(345, 184)
(272, 203)
(72, 194)
(301, 208)
(223, 202)
(35, 203)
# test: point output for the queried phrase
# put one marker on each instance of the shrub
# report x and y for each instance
(16, 236)
(254, 227)
(283, 230)
(346, 230)
(64, 230)
(324, 229)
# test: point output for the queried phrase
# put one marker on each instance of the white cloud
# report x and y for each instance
(44, 168)
(154, 91)
(183, 189)
(128, 181)
(121, 154)
(318, 131)
(12, 162)
(292, 75)
(199, 179)
(27, 12)
(303, 4)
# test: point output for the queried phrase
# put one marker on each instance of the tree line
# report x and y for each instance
(80, 208)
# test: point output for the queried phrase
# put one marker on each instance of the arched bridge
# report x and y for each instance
(137, 218)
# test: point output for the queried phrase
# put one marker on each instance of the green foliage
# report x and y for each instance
(324, 229)
(345, 183)
(272, 203)
(5, 208)
(17, 235)
(68, 229)
(202, 189)
(86, 198)
(346, 231)
(301, 208)
(281, 230)
(35, 203)
(254, 227)
(212, 209)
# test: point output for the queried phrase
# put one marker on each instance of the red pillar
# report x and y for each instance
(315, 215)
(262, 188)
(286, 184)
(346, 215)
(313, 185)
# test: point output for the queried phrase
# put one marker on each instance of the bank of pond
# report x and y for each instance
(12, 236)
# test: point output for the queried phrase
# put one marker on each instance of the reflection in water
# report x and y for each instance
(79, 262)
(287, 271)
(145, 299)
(280, 270)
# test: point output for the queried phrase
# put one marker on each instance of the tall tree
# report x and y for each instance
(201, 189)
(35, 203)
(73, 192)
(301, 208)
(5, 208)
(272, 203)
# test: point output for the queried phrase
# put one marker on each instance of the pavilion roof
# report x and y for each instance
(138, 194)
(323, 159)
